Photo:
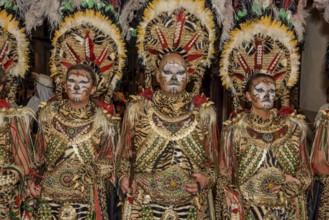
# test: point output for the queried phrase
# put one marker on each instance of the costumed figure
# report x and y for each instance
(78, 132)
(168, 141)
(263, 159)
(43, 91)
(320, 150)
(15, 140)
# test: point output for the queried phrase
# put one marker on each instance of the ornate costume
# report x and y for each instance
(319, 156)
(320, 162)
(15, 140)
(257, 155)
(76, 145)
(165, 140)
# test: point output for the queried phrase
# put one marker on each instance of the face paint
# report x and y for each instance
(173, 77)
(79, 86)
(263, 93)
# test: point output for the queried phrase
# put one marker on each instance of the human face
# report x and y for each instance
(79, 86)
(262, 93)
(172, 75)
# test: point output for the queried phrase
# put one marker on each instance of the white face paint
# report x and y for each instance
(263, 94)
(79, 86)
(172, 75)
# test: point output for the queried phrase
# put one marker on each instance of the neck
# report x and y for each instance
(171, 95)
(78, 105)
(263, 113)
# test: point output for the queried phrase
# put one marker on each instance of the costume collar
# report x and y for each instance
(69, 113)
(172, 106)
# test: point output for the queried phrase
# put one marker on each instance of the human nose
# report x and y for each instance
(174, 76)
(76, 87)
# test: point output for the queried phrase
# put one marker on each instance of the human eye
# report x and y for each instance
(71, 80)
(259, 90)
(167, 72)
(180, 73)
(83, 81)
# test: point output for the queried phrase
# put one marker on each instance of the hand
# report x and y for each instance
(124, 183)
(291, 179)
(35, 190)
(288, 179)
(201, 179)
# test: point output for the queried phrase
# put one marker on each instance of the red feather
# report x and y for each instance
(88, 42)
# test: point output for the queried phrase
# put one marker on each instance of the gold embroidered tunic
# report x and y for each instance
(77, 147)
(169, 140)
(320, 163)
(257, 155)
(15, 145)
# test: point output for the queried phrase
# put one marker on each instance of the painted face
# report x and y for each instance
(172, 75)
(79, 86)
(262, 94)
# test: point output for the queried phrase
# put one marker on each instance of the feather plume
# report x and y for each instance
(127, 15)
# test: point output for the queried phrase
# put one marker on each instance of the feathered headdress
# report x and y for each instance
(265, 44)
(91, 37)
(323, 5)
(230, 13)
(14, 47)
(35, 11)
(185, 27)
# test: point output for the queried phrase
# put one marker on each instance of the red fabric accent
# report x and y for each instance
(147, 93)
(102, 56)
(108, 107)
(4, 104)
(131, 199)
(274, 62)
(193, 57)
(279, 75)
(8, 63)
(285, 111)
(66, 64)
(190, 70)
(34, 174)
(18, 201)
(105, 68)
(198, 100)
(76, 56)
(191, 43)
(258, 66)
(153, 51)
(91, 55)
(238, 76)
(162, 39)
(97, 205)
(179, 18)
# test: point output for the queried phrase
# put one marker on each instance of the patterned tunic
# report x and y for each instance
(263, 153)
(78, 165)
(15, 144)
(170, 140)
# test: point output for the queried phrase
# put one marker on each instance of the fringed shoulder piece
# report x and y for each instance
(321, 142)
(24, 114)
(136, 106)
(299, 120)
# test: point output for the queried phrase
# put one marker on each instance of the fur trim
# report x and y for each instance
(127, 15)
(101, 120)
(299, 120)
(134, 109)
(25, 114)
